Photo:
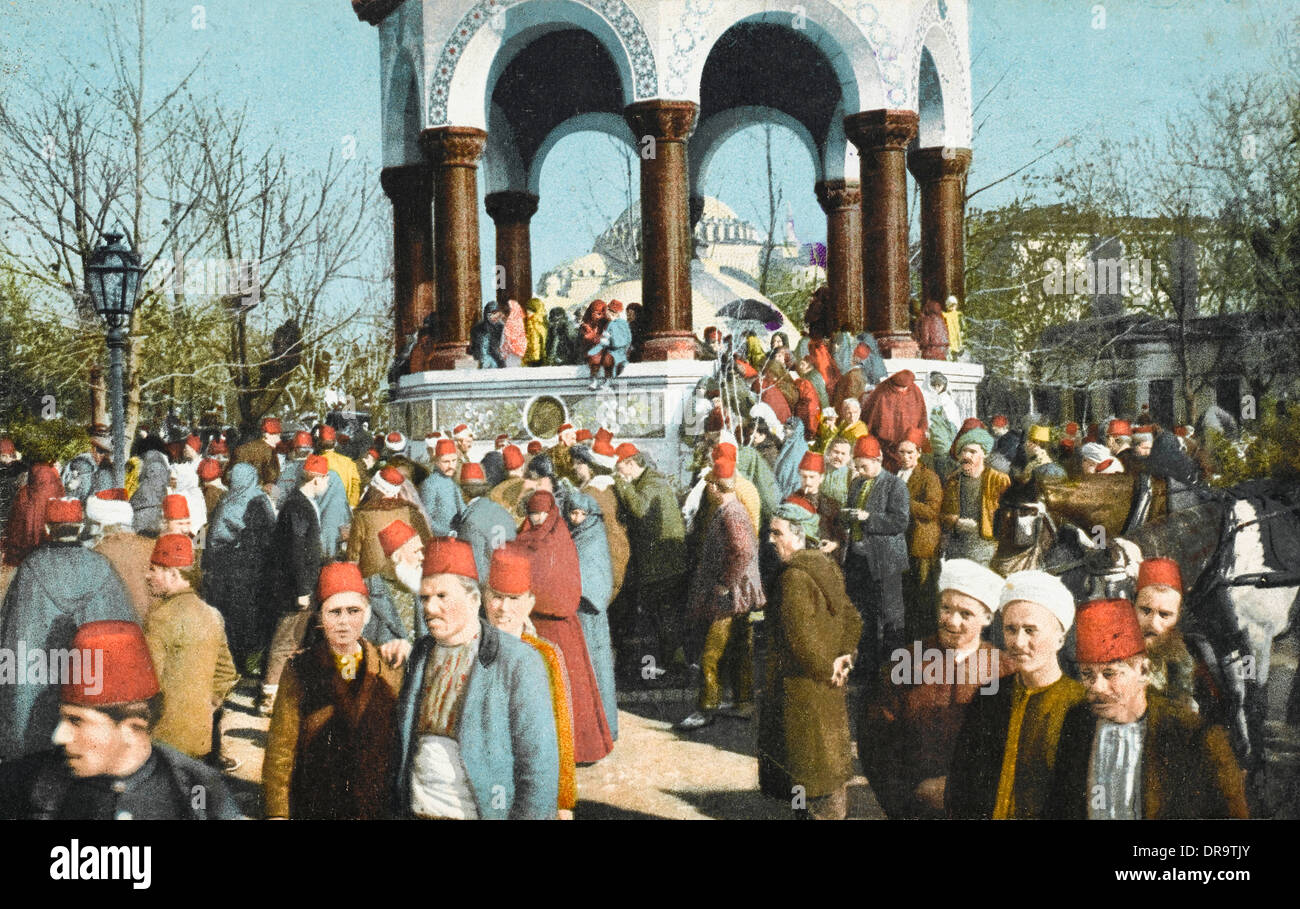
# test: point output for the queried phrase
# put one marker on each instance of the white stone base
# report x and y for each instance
(644, 406)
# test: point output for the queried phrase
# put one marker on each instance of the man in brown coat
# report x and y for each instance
(332, 741)
(261, 453)
(804, 751)
(925, 490)
(209, 472)
(187, 642)
(380, 507)
(127, 551)
(1129, 753)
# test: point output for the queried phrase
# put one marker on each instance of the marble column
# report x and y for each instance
(453, 153)
(842, 202)
(881, 137)
(409, 189)
(511, 211)
(665, 225)
(941, 172)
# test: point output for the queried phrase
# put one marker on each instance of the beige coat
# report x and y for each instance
(187, 641)
(129, 554)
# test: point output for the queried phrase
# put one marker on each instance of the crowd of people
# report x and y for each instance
(436, 634)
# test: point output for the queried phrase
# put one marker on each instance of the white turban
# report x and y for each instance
(109, 512)
(1094, 451)
(763, 411)
(973, 579)
(1042, 588)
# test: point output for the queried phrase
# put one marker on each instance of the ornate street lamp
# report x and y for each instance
(113, 280)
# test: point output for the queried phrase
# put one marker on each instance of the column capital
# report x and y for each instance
(453, 146)
(510, 206)
(938, 163)
(405, 180)
(882, 129)
(666, 121)
(834, 195)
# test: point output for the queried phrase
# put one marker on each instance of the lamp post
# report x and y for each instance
(113, 280)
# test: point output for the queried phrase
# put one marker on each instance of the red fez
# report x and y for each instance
(340, 577)
(7, 447)
(302, 439)
(540, 502)
(316, 464)
(724, 468)
(512, 457)
(626, 450)
(534, 447)
(584, 435)
(392, 476)
(502, 438)
(916, 436)
(394, 536)
(472, 473)
(861, 352)
(968, 424)
(173, 550)
(113, 495)
(195, 443)
(866, 447)
(373, 452)
(813, 461)
(271, 426)
(1071, 428)
(1107, 630)
(445, 447)
(394, 438)
(1160, 572)
(128, 673)
(63, 511)
(511, 573)
(175, 507)
(327, 434)
(999, 421)
(209, 470)
(431, 435)
(218, 447)
(601, 445)
(446, 555)
(1119, 428)
(1180, 431)
(801, 502)
(564, 428)
(724, 450)
(460, 429)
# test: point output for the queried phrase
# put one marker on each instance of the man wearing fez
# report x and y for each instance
(812, 476)
(1006, 751)
(382, 504)
(394, 591)
(331, 748)
(187, 642)
(107, 767)
(875, 521)
(1119, 440)
(476, 726)
(261, 454)
(60, 586)
(1129, 753)
(483, 524)
(804, 750)
(1183, 668)
(441, 496)
(294, 565)
(911, 720)
(508, 603)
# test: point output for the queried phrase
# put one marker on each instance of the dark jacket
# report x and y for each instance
(654, 527)
(261, 456)
(884, 540)
(1188, 768)
(295, 552)
(39, 787)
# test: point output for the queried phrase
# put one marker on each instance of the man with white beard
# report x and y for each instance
(394, 591)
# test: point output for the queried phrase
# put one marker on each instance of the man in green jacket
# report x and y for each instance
(653, 518)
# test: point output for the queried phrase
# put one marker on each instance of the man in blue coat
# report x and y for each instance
(476, 729)
(439, 492)
(875, 518)
(483, 524)
(58, 588)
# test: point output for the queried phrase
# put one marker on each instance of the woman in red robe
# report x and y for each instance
(892, 409)
(26, 528)
(557, 587)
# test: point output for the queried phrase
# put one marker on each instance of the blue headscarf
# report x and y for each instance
(593, 550)
(155, 477)
(787, 462)
(229, 519)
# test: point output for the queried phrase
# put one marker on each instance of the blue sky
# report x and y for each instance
(308, 72)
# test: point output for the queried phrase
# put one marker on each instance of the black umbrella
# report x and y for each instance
(750, 311)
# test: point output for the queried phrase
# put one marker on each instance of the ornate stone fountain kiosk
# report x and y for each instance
(873, 89)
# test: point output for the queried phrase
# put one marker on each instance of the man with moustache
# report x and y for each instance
(442, 498)
(1183, 668)
(1128, 753)
(910, 724)
(1006, 752)
(393, 592)
(839, 471)
(970, 499)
